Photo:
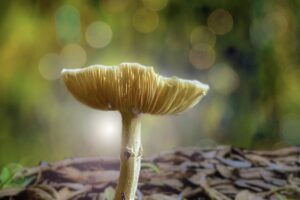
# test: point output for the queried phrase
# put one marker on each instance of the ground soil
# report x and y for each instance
(220, 173)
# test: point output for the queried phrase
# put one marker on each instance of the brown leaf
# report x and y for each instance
(258, 160)
(218, 181)
(282, 168)
(173, 183)
(91, 177)
(211, 192)
(156, 182)
(280, 152)
(197, 178)
(189, 192)
(244, 184)
(209, 154)
(188, 164)
(160, 197)
(226, 172)
(227, 189)
(247, 195)
(254, 173)
(255, 185)
(101, 176)
(223, 151)
(171, 158)
(65, 193)
(235, 163)
(71, 173)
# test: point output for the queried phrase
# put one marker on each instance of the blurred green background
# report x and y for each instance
(247, 51)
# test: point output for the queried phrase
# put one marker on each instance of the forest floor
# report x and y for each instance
(221, 173)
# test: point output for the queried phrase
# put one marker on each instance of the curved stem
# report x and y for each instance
(131, 153)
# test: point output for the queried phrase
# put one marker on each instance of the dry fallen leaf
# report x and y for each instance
(91, 177)
(247, 195)
(161, 197)
(65, 193)
(226, 172)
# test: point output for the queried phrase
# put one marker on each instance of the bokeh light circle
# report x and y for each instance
(73, 55)
(115, 6)
(223, 79)
(202, 56)
(155, 5)
(220, 21)
(203, 35)
(50, 66)
(98, 34)
(145, 21)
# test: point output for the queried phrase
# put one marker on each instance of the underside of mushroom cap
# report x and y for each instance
(131, 87)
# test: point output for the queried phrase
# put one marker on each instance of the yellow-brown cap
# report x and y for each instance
(131, 87)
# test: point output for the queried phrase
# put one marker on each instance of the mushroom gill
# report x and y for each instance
(131, 87)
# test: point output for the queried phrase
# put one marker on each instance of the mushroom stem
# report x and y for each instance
(131, 154)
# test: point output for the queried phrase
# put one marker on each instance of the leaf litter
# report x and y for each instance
(221, 173)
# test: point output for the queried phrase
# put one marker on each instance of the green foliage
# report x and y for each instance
(151, 166)
(7, 177)
(109, 193)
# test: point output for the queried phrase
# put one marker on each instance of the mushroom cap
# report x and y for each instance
(131, 87)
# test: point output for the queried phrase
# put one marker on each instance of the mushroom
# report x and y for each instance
(131, 89)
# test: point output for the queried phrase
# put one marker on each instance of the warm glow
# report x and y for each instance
(106, 128)
(115, 6)
(220, 21)
(73, 55)
(155, 5)
(50, 66)
(98, 34)
(203, 35)
(145, 21)
(223, 79)
(202, 56)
